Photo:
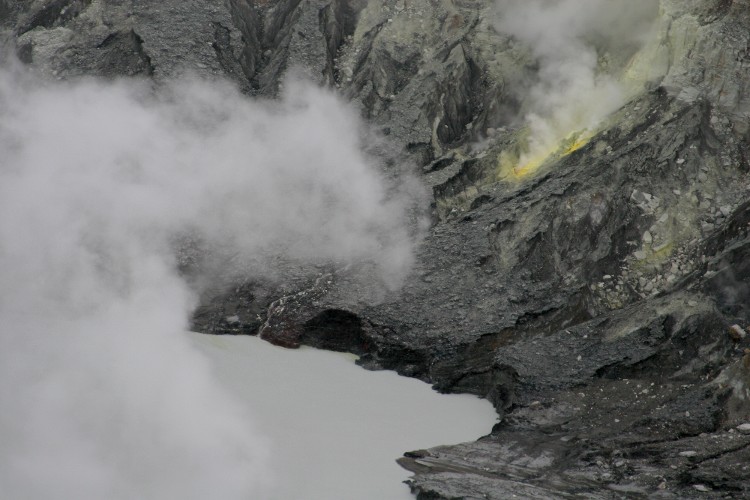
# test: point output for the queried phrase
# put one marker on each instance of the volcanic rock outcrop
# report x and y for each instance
(599, 302)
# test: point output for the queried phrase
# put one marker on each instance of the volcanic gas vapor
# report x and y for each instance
(102, 395)
(581, 48)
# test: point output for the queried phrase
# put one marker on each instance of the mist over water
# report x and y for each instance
(102, 394)
(335, 429)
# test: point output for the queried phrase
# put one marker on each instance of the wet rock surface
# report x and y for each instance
(601, 303)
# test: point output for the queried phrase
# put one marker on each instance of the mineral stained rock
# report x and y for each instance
(600, 302)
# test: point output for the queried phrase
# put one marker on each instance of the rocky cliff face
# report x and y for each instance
(600, 301)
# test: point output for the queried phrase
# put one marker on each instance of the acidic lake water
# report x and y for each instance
(334, 430)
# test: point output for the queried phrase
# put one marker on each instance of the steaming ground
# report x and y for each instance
(102, 394)
(581, 47)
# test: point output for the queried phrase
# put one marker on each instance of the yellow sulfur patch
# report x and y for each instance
(579, 142)
(531, 164)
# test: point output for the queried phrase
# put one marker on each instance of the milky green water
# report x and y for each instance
(334, 429)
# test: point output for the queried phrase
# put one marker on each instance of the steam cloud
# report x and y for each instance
(579, 45)
(102, 395)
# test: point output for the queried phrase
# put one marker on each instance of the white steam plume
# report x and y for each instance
(102, 395)
(578, 45)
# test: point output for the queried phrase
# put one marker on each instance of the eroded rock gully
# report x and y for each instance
(592, 302)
